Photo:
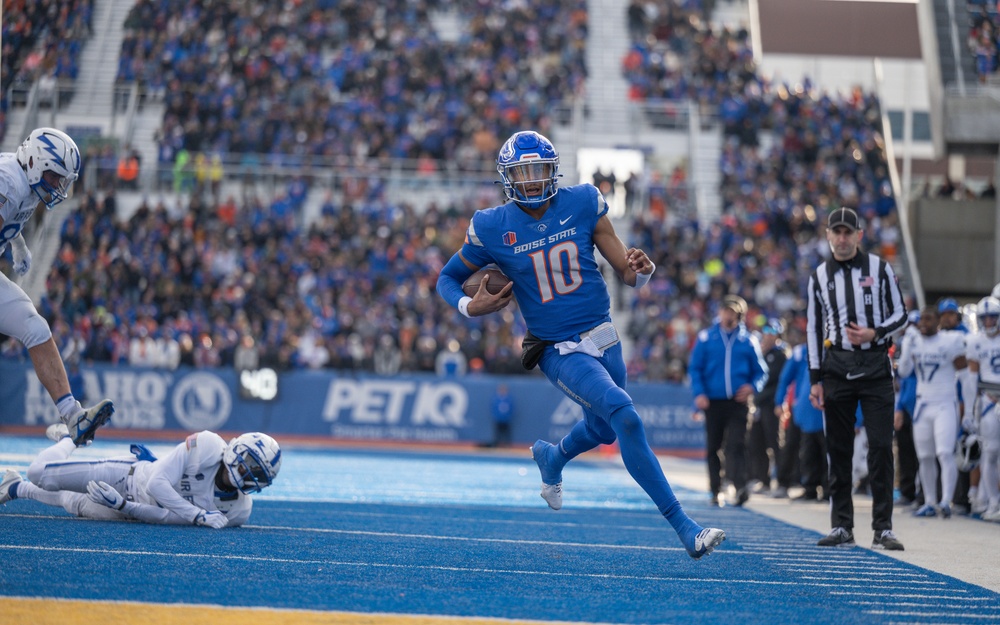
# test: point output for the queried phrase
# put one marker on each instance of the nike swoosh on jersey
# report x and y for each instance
(562, 222)
(854, 376)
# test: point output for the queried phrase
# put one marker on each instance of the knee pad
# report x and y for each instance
(35, 473)
(616, 398)
(35, 331)
(626, 422)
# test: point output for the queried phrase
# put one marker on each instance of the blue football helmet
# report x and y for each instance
(528, 165)
(253, 461)
(50, 150)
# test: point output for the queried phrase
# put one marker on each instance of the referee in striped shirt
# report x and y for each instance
(854, 307)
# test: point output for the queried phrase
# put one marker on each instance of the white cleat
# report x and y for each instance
(552, 494)
(57, 431)
(705, 542)
(551, 478)
(83, 425)
(10, 478)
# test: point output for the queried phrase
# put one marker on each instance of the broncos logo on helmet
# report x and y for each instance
(528, 165)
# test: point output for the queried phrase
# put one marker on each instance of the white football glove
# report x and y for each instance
(970, 424)
(21, 254)
(214, 519)
(102, 493)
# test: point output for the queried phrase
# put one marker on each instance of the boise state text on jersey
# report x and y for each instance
(557, 282)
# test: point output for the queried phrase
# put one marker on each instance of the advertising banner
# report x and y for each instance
(415, 408)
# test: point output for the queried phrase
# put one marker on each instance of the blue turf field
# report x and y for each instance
(465, 534)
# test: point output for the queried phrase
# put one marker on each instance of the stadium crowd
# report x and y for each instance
(159, 289)
(310, 81)
(41, 40)
(788, 154)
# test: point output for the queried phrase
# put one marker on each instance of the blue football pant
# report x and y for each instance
(597, 384)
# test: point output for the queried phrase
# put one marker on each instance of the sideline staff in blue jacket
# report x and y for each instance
(812, 443)
(726, 368)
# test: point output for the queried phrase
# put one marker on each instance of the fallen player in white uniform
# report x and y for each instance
(202, 481)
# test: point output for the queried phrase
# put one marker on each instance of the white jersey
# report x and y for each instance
(17, 200)
(183, 481)
(933, 358)
(985, 350)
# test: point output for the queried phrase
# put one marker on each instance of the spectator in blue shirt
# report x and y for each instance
(809, 419)
(726, 368)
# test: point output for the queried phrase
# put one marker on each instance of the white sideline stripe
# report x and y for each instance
(506, 541)
(915, 604)
(856, 579)
(923, 596)
(378, 565)
(992, 617)
(867, 584)
(853, 566)
(865, 570)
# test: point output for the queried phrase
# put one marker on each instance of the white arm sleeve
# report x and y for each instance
(906, 357)
(152, 514)
(166, 472)
(970, 388)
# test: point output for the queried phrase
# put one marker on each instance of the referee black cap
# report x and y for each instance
(844, 217)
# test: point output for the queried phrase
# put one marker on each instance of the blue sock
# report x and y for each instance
(645, 469)
(578, 441)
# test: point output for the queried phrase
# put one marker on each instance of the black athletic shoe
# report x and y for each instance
(838, 537)
(886, 540)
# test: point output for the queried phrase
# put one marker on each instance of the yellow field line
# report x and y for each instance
(34, 611)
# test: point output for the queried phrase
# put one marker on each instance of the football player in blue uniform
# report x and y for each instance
(543, 239)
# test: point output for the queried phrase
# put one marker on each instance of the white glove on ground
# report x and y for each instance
(214, 519)
(102, 493)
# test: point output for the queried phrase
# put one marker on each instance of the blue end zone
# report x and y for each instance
(467, 535)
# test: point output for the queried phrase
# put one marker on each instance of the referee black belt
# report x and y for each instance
(876, 349)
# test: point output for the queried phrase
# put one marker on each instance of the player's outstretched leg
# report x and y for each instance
(551, 469)
(84, 424)
(645, 469)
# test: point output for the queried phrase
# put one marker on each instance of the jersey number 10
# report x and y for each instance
(557, 270)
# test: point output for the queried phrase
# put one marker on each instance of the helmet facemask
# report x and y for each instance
(530, 183)
(988, 316)
(253, 461)
(528, 165)
(51, 162)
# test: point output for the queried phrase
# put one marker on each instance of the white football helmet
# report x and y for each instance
(967, 452)
(253, 461)
(988, 315)
(48, 149)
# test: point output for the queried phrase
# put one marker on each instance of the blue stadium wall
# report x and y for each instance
(410, 408)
